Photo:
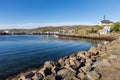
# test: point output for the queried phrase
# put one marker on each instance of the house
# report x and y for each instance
(105, 30)
(6, 32)
(2, 32)
(105, 22)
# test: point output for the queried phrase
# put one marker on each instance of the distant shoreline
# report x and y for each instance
(102, 37)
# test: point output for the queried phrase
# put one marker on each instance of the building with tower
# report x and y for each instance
(107, 26)
(105, 22)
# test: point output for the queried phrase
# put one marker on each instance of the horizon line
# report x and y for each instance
(36, 25)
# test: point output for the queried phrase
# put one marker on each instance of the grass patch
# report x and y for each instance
(116, 47)
(117, 68)
(105, 54)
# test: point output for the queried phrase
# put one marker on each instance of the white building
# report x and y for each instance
(107, 26)
(105, 30)
(105, 22)
(6, 31)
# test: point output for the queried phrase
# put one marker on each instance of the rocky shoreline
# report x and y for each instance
(100, 62)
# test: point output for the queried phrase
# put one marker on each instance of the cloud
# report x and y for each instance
(35, 25)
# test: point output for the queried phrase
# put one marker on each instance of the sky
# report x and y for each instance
(36, 13)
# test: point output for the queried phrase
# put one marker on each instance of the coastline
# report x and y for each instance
(89, 37)
(93, 64)
(92, 37)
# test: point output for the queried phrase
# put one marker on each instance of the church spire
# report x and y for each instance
(104, 17)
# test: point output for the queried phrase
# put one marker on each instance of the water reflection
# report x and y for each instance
(18, 52)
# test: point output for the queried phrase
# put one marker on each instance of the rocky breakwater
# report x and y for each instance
(84, 65)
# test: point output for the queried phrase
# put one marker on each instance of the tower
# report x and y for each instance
(104, 17)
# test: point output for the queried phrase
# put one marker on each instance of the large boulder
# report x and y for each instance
(81, 76)
(102, 63)
(47, 68)
(93, 75)
(22, 78)
(89, 62)
(72, 57)
(58, 77)
(75, 78)
(55, 69)
(45, 71)
(71, 68)
(66, 74)
(72, 62)
(87, 54)
(61, 62)
(38, 76)
(93, 50)
(42, 71)
(89, 66)
(86, 68)
(82, 62)
(29, 75)
(67, 62)
(81, 54)
(49, 64)
(77, 63)
(50, 77)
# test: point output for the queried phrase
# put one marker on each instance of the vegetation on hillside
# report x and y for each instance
(116, 27)
(77, 29)
(88, 30)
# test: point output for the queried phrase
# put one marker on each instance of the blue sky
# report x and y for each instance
(34, 13)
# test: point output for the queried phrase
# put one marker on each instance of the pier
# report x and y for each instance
(107, 38)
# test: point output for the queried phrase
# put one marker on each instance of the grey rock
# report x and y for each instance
(81, 54)
(72, 62)
(50, 77)
(66, 73)
(61, 62)
(67, 62)
(93, 75)
(72, 57)
(86, 68)
(93, 50)
(77, 63)
(29, 75)
(81, 76)
(49, 64)
(47, 71)
(22, 78)
(38, 76)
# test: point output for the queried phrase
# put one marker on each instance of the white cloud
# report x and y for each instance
(35, 25)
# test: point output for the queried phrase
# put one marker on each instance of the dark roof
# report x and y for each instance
(106, 21)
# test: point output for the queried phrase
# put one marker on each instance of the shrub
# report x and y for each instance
(93, 30)
(116, 27)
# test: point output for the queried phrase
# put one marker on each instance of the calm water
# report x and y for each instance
(18, 52)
